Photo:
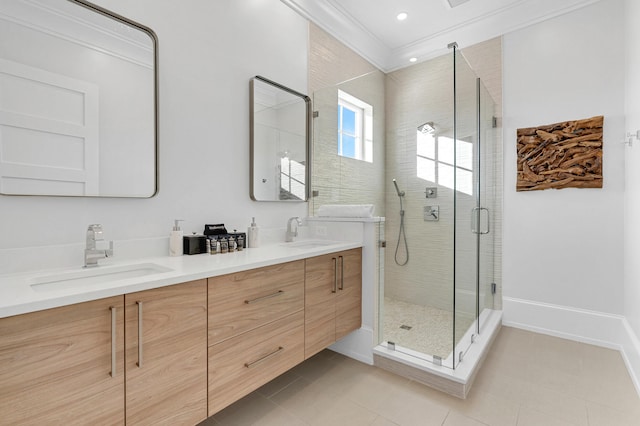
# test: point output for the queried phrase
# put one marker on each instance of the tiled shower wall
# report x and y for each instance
(339, 180)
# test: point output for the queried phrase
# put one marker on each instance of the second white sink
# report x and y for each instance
(92, 276)
(308, 244)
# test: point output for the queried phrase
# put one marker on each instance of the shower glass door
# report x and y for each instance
(489, 202)
(466, 174)
(474, 201)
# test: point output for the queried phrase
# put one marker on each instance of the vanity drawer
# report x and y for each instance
(240, 365)
(246, 300)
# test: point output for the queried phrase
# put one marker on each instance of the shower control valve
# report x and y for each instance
(431, 192)
(431, 213)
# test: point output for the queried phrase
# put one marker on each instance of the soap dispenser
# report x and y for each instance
(253, 237)
(175, 240)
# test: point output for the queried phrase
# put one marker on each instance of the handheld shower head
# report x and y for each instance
(401, 232)
(400, 193)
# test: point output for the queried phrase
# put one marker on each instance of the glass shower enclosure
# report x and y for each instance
(421, 145)
(442, 153)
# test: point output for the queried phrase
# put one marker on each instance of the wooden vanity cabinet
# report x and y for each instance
(166, 355)
(174, 354)
(256, 329)
(349, 297)
(56, 366)
(246, 300)
(333, 298)
(243, 363)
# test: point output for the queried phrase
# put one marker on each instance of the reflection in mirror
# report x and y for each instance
(77, 101)
(279, 142)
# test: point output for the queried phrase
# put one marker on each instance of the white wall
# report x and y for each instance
(208, 51)
(565, 247)
(632, 169)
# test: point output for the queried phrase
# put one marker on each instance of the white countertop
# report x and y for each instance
(17, 296)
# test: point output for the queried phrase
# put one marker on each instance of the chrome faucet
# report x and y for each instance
(91, 254)
(290, 233)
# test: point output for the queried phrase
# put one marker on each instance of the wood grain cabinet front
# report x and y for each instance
(64, 366)
(256, 329)
(333, 298)
(242, 364)
(246, 300)
(166, 355)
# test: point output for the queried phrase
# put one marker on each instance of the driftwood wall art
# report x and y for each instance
(561, 155)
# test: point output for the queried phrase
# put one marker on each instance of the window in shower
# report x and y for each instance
(435, 157)
(355, 128)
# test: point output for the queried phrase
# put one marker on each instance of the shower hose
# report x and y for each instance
(402, 235)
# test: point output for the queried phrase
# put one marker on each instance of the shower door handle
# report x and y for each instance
(488, 228)
(476, 215)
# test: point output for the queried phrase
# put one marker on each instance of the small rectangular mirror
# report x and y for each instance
(280, 142)
(78, 104)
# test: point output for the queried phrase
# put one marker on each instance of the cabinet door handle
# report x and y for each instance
(264, 358)
(113, 340)
(335, 275)
(268, 296)
(341, 272)
(139, 363)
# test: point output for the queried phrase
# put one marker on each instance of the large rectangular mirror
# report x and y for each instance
(78, 101)
(280, 138)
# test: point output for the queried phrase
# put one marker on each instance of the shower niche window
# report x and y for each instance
(355, 128)
(436, 161)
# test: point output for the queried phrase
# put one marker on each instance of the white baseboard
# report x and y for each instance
(630, 348)
(595, 328)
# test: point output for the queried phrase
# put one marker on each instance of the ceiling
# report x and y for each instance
(370, 27)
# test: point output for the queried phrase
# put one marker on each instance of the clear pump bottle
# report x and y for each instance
(176, 247)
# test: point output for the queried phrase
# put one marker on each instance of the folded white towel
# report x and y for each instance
(346, 210)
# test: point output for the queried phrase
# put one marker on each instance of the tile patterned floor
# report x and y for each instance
(431, 328)
(528, 379)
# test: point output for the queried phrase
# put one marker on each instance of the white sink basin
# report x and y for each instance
(91, 276)
(307, 244)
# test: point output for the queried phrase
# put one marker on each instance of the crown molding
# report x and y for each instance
(336, 21)
(345, 28)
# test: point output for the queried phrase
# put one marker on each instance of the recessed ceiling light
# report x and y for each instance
(455, 3)
(402, 16)
(413, 59)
